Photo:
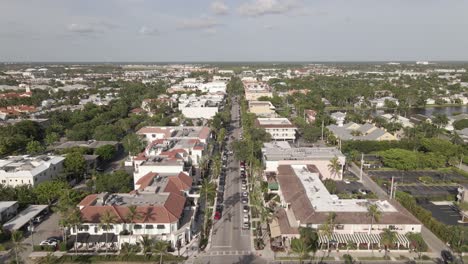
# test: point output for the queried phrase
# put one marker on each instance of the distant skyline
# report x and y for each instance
(233, 30)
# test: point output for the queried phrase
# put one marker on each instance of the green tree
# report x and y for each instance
(374, 213)
(17, 244)
(310, 238)
(107, 219)
(388, 238)
(334, 167)
(73, 219)
(117, 182)
(132, 215)
(127, 251)
(146, 245)
(34, 147)
(75, 164)
(51, 138)
(330, 185)
(417, 243)
(208, 191)
(106, 152)
(440, 120)
(299, 247)
(160, 248)
(133, 144)
(48, 191)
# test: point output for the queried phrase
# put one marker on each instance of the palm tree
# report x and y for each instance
(160, 248)
(73, 219)
(299, 247)
(388, 238)
(329, 226)
(132, 215)
(440, 120)
(208, 190)
(202, 163)
(127, 250)
(18, 246)
(48, 259)
(374, 213)
(351, 245)
(334, 166)
(216, 165)
(146, 245)
(106, 220)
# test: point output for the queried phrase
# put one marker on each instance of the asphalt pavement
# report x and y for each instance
(228, 235)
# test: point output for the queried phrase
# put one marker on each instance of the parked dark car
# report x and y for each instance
(446, 256)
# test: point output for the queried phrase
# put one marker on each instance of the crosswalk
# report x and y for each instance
(228, 253)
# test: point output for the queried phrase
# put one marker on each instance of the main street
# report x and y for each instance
(230, 243)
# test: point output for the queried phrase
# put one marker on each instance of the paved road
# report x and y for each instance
(228, 234)
(433, 242)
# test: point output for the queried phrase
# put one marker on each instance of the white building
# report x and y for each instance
(307, 203)
(196, 107)
(279, 128)
(22, 170)
(213, 87)
(339, 118)
(160, 202)
(275, 154)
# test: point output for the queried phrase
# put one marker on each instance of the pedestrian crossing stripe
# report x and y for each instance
(230, 252)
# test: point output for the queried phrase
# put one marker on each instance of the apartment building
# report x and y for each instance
(32, 170)
(278, 128)
(200, 107)
(353, 131)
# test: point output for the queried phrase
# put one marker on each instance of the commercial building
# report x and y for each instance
(23, 170)
(278, 128)
(200, 107)
(306, 202)
(162, 207)
(8, 209)
(276, 154)
(254, 90)
(262, 108)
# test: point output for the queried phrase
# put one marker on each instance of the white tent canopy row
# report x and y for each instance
(359, 238)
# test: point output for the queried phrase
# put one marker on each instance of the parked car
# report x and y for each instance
(245, 194)
(245, 208)
(446, 256)
(246, 226)
(244, 187)
(217, 215)
(244, 181)
(246, 218)
(245, 200)
(48, 243)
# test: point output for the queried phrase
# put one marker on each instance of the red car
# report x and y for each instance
(217, 215)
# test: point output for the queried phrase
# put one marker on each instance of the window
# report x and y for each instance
(83, 228)
(137, 227)
(153, 135)
(160, 227)
(149, 227)
(339, 227)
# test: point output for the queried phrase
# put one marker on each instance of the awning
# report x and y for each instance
(358, 238)
(275, 230)
(81, 237)
(111, 237)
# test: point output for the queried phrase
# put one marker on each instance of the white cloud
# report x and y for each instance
(198, 23)
(91, 27)
(219, 8)
(144, 30)
(268, 7)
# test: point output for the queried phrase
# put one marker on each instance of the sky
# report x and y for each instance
(233, 30)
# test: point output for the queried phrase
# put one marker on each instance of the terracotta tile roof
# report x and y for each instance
(295, 194)
(137, 110)
(146, 180)
(283, 222)
(176, 184)
(204, 133)
(88, 200)
(140, 156)
(170, 212)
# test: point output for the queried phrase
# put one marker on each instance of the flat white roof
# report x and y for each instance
(24, 217)
(6, 204)
(323, 201)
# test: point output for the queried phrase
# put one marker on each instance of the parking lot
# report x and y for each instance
(445, 213)
(49, 227)
(424, 190)
(413, 176)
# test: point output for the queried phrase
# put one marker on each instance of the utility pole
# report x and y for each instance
(322, 129)
(391, 189)
(362, 165)
(394, 189)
